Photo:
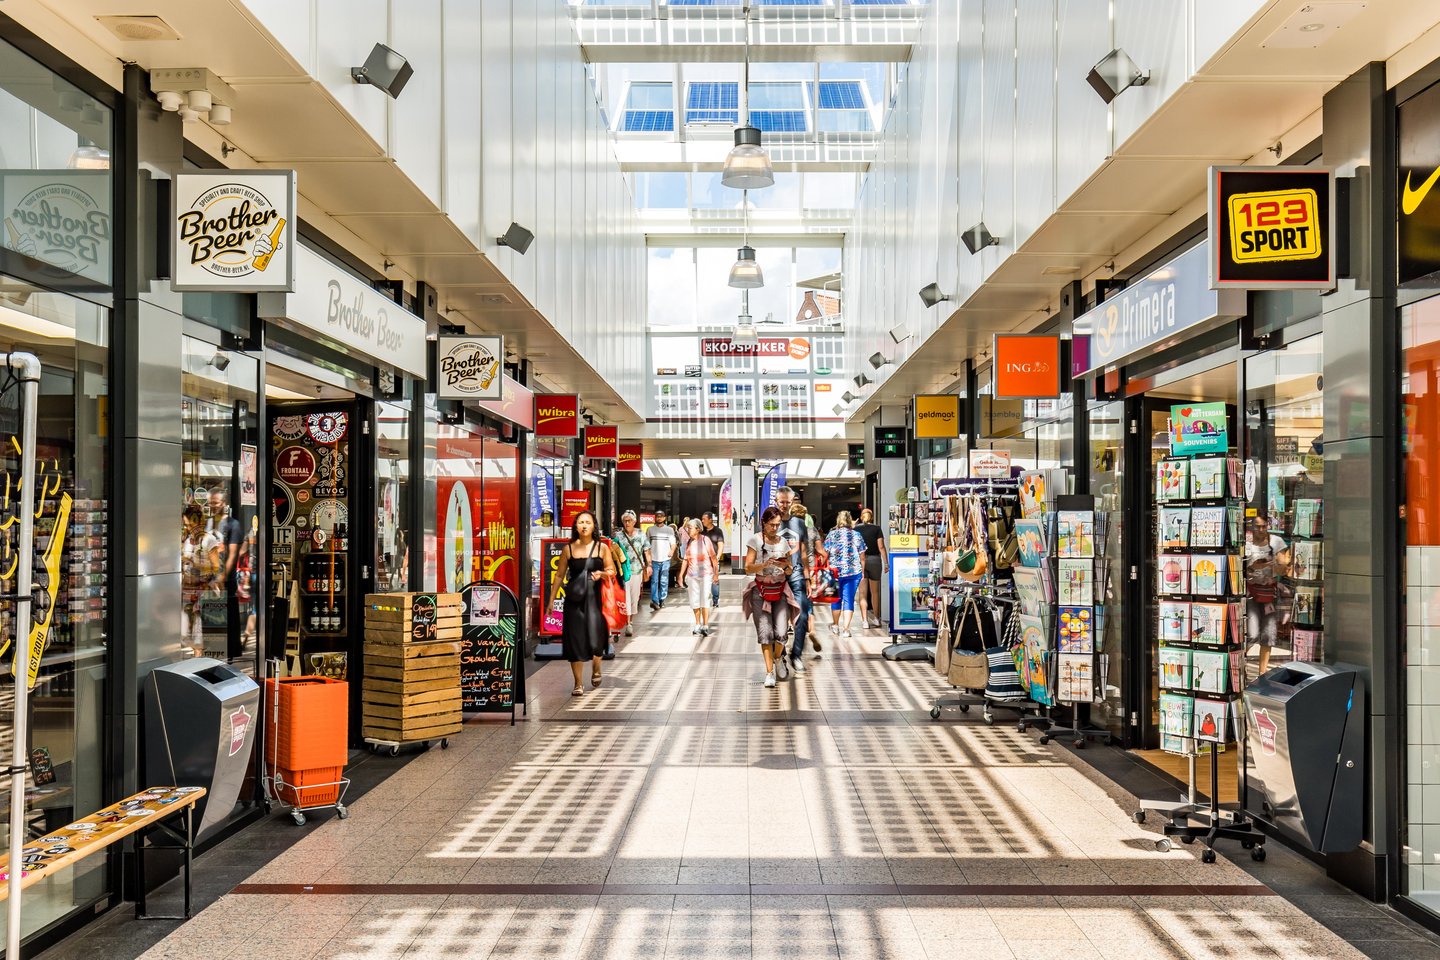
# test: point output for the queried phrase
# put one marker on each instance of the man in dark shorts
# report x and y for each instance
(877, 563)
(806, 551)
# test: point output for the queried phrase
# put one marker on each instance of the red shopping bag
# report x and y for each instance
(612, 603)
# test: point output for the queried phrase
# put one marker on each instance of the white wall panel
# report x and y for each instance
(1083, 131)
(1034, 116)
(1159, 42)
(289, 23)
(999, 138)
(418, 140)
(464, 99)
(347, 31)
(1214, 23)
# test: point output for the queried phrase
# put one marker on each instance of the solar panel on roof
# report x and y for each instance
(779, 121)
(841, 95)
(648, 121)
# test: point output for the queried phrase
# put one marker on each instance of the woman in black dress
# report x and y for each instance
(583, 563)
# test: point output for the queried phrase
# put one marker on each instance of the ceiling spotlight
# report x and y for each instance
(384, 68)
(930, 295)
(746, 273)
(186, 115)
(220, 361)
(839, 409)
(170, 100)
(517, 238)
(219, 114)
(199, 100)
(747, 167)
(1115, 74)
(862, 381)
(978, 237)
(849, 397)
(878, 360)
(901, 334)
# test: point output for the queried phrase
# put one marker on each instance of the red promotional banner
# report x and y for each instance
(632, 458)
(572, 504)
(602, 443)
(557, 415)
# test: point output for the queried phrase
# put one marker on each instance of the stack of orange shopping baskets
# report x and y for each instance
(306, 742)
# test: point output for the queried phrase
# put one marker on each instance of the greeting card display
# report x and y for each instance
(1077, 582)
(1176, 714)
(1175, 575)
(1076, 630)
(1307, 518)
(1174, 621)
(1172, 480)
(1207, 575)
(1207, 527)
(1208, 623)
(1304, 643)
(1075, 682)
(1175, 527)
(1306, 609)
(1076, 534)
(1210, 671)
(1174, 664)
(1207, 478)
(1212, 720)
(1308, 563)
(1030, 537)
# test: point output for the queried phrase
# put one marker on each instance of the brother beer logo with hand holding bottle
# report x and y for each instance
(234, 230)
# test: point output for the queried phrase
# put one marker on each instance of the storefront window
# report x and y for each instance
(1420, 380)
(1107, 475)
(219, 501)
(477, 495)
(392, 497)
(72, 565)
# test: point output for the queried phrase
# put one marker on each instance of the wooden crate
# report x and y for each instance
(411, 691)
(404, 602)
(413, 617)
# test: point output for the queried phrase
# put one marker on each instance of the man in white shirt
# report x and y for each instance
(662, 540)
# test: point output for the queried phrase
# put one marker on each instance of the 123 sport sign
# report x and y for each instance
(1272, 228)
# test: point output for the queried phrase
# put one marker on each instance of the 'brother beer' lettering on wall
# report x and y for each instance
(234, 231)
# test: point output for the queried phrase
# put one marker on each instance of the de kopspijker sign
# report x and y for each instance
(1159, 311)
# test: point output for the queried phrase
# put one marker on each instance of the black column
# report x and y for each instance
(1362, 455)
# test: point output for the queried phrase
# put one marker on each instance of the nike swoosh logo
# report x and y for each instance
(1411, 200)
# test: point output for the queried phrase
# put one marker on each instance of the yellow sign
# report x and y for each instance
(937, 416)
(1274, 225)
(40, 632)
(904, 541)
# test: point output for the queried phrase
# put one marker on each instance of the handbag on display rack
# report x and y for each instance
(942, 641)
(974, 564)
(975, 632)
(949, 554)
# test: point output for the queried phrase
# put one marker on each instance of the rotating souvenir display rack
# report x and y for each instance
(1074, 673)
(995, 588)
(1201, 643)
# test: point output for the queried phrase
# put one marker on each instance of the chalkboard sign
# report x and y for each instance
(492, 667)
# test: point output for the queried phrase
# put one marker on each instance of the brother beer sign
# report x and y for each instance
(234, 231)
(468, 368)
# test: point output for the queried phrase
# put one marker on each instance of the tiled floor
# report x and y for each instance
(682, 810)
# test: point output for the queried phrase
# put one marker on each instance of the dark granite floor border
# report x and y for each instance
(758, 889)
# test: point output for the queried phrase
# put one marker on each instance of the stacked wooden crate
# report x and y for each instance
(411, 689)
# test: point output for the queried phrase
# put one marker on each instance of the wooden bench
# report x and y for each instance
(139, 814)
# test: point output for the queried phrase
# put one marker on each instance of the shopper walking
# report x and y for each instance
(661, 537)
(697, 573)
(877, 564)
(637, 551)
(717, 539)
(846, 549)
(584, 635)
(769, 597)
(803, 549)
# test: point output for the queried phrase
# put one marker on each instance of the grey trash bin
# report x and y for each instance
(1306, 751)
(201, 720)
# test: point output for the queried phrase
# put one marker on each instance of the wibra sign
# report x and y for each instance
(797, 348)
(557, 415)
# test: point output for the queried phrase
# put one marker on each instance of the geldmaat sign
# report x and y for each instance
(334, 304)
(234, 231)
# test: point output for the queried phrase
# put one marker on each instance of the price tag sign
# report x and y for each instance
(1272, 228)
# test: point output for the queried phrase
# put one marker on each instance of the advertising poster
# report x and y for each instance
(249, 475)
(727, 512)
(542, 498)
(478, 529)
(551, 619)
(910, 594)
(572, 504)
(774, 479)
(1198, 428)
(491, 664)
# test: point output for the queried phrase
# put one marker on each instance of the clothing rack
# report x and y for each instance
(1028, 712)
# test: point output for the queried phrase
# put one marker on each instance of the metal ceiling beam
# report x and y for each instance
(667, 52)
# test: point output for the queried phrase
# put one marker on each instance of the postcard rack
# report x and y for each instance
(1078, 570)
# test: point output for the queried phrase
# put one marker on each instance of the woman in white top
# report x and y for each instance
(637, 552)
(767, 598)
(697, 573)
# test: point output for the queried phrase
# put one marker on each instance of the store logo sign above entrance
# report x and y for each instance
(234, 231)
(632, 458)
(937, 416)
(796, 348)
(557, 415)
(1158, 311)
(1272, 228)
(602, 443)
(1027, 367)
(468, 368)
(1418, 126)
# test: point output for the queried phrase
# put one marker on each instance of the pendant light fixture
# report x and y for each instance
(744, 324)
(747, 167)
(746, 273)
